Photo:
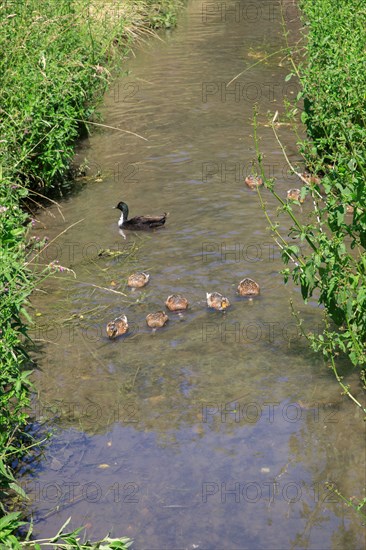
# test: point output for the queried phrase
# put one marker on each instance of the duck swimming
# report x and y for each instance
(294, 195)
(248, 287)
(156, 320)
(253, 181)
(311, 179)
(138, 222)
(117, 327)
(138, 280)
(176, 302)
(217, 301)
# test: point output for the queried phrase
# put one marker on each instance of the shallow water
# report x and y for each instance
(219, 430)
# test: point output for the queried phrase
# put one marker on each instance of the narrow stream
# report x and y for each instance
(221, 429)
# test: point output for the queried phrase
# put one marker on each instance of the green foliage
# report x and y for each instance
(333, 269)
(15, 287)
(162, 15)
(54, 69)
(50, 77)
(333, 79)
(63, 540)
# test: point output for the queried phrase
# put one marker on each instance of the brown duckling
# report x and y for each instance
(311, 179)
(117, 327)
(156, 320)
(176, 302)
(248, 287)
(253, 181)
(217, 301)
(138, 280)
(294, 195)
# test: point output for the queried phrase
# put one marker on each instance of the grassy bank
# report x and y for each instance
(333, 80)
(333, 103)
(332, 75)
(330, 265)
(55, 64)
(333, 83)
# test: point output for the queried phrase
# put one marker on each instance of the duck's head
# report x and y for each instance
(224, 303)
(217, 301)
(122, 206)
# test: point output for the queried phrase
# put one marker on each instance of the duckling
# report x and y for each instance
(248, 287)
(176, 302)
(156, 320)
(217, 301)
(138, 222)
(294, 195)
(138, 280)
(253, 181)
(117, 327)
(311, 178)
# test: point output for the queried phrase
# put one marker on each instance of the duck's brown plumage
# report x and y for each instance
(138, 280)
(117, 327)
(156, 320)
(176, 302)
(217, 301)
(248, 287)
(253, 181)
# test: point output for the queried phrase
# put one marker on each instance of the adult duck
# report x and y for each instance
(138, 222)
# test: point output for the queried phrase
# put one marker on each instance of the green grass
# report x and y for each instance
(55, 66)
(333, 79)
(330, 264)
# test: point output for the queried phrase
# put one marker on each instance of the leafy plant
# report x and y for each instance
(63, 540)
(326, 256)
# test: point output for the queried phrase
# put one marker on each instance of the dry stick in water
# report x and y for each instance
(112, 128)
(254, 64)
(104, 288)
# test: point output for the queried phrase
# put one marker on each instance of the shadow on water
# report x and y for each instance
(219, 430)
